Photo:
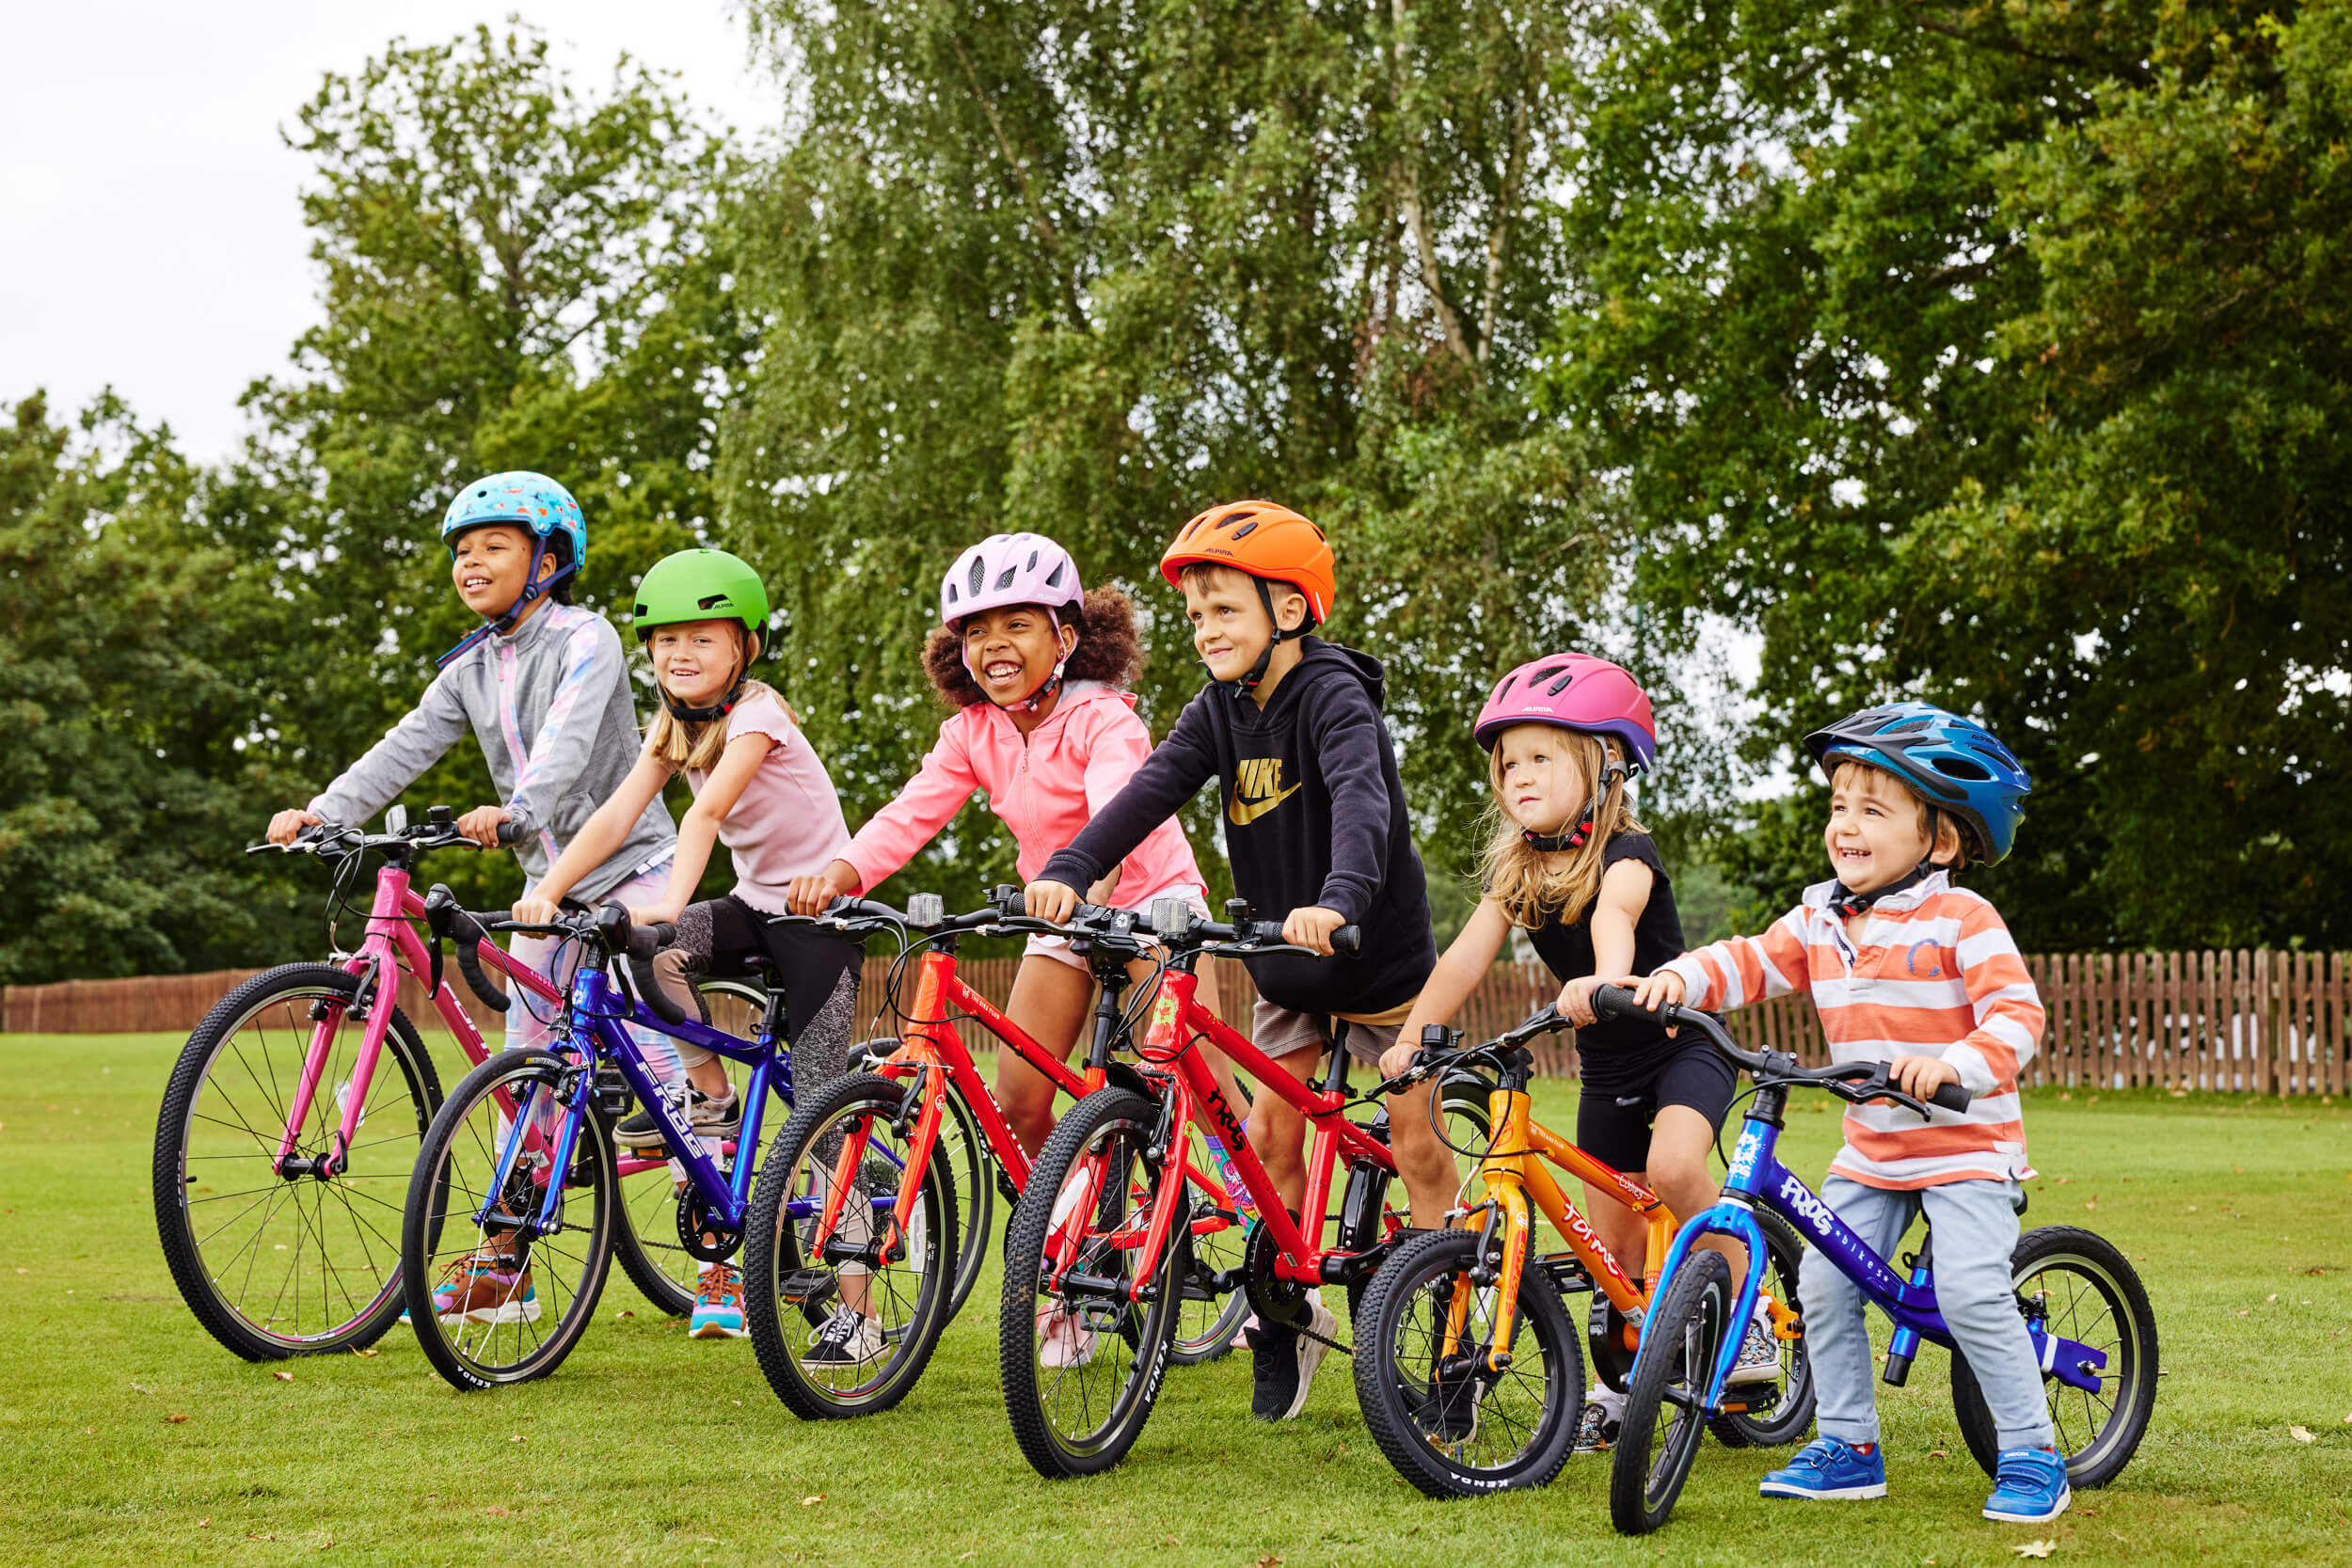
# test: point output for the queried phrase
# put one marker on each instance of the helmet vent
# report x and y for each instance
(1231, 517)
(951, 592)
(1504, 688)
(1562, 671)
(1246, 530)
(710, 601)
(1004, 579)
(1960, 767)
(1032, 565)
(1053, 578)
(979, 574)
(1916, 727)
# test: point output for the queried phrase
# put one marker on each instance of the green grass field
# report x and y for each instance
(647, 1447)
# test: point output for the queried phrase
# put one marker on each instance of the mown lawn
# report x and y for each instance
(647, 1447)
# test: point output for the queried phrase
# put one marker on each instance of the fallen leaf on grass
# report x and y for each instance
(962, 1557)
(812, 1502)
(1269, 1561)
(283, 1377)
(501, 1512)
(1939, 1453)
(625, 1312)
(270, 1537)
(204, 1523)
(356, 1351)
(2273, 1296)
(2034, 1548)
(2303, 1434)
(517, 1438)
(2244, 1311)
(2091, 1206)
(173, 1421)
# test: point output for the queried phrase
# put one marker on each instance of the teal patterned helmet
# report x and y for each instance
(522, 499)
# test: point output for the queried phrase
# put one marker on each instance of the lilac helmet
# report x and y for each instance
(1012, 568)
(1575, 692)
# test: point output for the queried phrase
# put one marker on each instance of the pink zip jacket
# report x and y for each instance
(1046, 786)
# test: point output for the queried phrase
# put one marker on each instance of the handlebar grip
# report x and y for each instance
(469, 936)
(510, 832)
(1348, 941)
(643, 942)
(1950, 1097)
(1617, 1001)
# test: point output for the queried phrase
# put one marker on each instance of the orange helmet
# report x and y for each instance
(1271, 543)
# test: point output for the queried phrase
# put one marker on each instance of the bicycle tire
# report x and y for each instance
(2111, 1276)
(404, 1072)
(774, 1252)
(1680, 1342)
(1102, 1145)
(1410, 1424)
(457, 1155)
(1791, 1416)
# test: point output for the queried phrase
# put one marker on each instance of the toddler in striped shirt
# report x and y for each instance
(1907, 968)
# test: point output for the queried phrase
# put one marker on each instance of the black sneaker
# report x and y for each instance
(1597, 1429)
(1451, 1413)
(1274, 1371)
(848, 1339)
(708, 1118)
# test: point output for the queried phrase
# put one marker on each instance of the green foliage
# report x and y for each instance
(1090, 272)
(125, 703)
(1998, 356)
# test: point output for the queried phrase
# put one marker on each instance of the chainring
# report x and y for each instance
(694, 1221)
(1274, 1299)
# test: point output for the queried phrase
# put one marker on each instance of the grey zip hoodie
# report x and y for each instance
(552, 709)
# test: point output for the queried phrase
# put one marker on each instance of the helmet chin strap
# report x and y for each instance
(687, 714)
(1248, 683)
(1845, 903)
(1050, 687)
(503, 623)
(1573, 838)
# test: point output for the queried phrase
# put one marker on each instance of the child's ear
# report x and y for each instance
(1283, 616)
(1950, 851)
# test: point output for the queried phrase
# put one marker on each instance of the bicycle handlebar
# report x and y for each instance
(609, 926)
(1853, 1082)
(330, 839)
(859, 918)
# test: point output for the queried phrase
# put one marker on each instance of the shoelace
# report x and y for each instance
(836, 1330)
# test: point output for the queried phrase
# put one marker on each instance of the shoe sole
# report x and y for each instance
(716, 1331)
(2066, 1499)
(1826, 1495)
(850, 1365)
(1750, 1377)
(493, 1315)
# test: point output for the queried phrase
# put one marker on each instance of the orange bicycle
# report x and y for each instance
(1467, 1368)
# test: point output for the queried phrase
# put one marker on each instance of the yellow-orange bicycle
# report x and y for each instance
(1468, 1365)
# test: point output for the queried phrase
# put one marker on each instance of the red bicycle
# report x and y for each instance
(846, 1306)
(1110, 1254)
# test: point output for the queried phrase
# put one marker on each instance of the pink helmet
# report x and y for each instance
(1010, 568)
(1576, 691)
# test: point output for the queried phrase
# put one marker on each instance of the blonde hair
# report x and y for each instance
(1516, 874)
(679, 744)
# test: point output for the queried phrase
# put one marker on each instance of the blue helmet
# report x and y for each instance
(1955, 764)
(518, 499)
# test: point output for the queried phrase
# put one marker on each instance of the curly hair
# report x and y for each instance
(1108, 650)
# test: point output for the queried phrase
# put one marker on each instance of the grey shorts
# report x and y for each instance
(1278, 1031)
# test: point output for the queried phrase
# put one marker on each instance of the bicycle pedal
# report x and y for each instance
(807, 1287)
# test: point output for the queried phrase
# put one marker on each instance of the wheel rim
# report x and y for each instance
(503, 1297)
(1510, 1408)
(2077, 1298)
(895, 1296)
(298, 1259)
(1086, 1381)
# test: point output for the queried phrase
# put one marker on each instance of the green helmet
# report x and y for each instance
(700, 585)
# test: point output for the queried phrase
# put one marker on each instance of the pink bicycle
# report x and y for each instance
(294, 1115)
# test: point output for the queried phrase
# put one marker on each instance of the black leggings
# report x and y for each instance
(817, 973)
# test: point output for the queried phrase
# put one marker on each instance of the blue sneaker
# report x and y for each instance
(2028, 1487)
(718, 1305)
(1829, 1469)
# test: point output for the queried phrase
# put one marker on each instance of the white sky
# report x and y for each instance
(150, 233)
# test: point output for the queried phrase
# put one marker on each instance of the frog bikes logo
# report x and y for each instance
(1805, 1205)
(1743, 1164)
(1162, 1029)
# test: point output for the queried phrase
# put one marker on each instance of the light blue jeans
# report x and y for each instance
(1974, 1225)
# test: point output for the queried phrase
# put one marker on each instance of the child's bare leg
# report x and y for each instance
(1427, 1165)
(1679, 1142)
(1278, 1133)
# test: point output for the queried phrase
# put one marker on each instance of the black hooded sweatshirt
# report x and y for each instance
(1314, 813)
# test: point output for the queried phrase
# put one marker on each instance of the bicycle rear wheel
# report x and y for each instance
(2078, 1285)
(1083, 1359)
(1450, 1428)
(494, 1299)
(275, 1265)
(1686, 1328)
(846, 1328)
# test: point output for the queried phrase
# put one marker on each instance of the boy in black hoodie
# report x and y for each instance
(1316, 826)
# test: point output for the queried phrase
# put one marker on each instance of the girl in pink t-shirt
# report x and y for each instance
(760, 789)
(1033, 667)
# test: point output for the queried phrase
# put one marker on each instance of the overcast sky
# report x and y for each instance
(150, 233)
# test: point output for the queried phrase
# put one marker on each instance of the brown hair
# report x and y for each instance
(1944, 818)
(1205, 574)
(1518, 875)
(1108, 649)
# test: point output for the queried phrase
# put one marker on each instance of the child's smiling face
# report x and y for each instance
(697, 661)
(1878, 829)
(489, 566)
(1011, 651)
(1539, 781)
(1229, 628)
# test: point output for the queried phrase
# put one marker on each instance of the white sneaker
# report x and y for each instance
(1759, 1352)
(1063, 1341)
(1311, 1351)
(848, 1339)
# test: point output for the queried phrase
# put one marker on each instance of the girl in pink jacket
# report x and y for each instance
(1034, 666)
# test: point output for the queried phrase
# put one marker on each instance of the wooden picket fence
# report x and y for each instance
(2259, 1021)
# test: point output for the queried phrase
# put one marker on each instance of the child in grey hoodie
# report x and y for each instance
(544, 686)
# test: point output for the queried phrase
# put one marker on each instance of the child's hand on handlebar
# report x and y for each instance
(531, 910)
(1054, 901)
(288, 823)
(1311, 927)
(1576, 1000)
(1653, 991)
(482, 825)
(1921, 1076)
(810, 895)
(653, 914)
(1397, 1060)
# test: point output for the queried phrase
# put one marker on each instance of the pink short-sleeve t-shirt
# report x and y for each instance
(787, 822)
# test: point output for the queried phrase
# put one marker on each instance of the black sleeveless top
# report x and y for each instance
(1613, 1050)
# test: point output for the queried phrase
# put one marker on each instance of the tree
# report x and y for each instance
(1998, 355)
(126, 702)
(1088, 272)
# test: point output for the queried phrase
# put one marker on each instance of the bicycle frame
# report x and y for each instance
(1756, 1175)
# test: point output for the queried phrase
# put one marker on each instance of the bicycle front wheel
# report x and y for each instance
(1664, 1399)
(1087, 1317)
(1777, 1413)
(495, 1298)
(275, 1265)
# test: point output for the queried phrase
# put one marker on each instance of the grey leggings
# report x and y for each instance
(817, 974)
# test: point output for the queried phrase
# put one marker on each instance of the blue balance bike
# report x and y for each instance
(2084, 1306)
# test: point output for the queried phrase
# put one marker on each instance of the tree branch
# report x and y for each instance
(2139, 75)
(1499, 240)
(1408, 202)
(1048, 236)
